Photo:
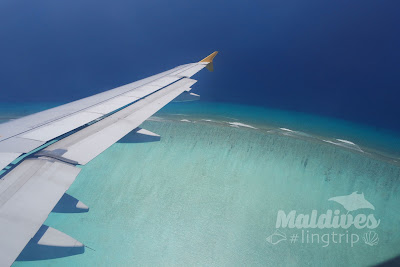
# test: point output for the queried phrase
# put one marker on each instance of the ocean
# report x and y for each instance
(210, 191)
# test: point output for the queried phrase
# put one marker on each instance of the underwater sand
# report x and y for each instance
(209, 192)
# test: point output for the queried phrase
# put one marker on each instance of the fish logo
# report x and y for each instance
(353, 202)
(276, 237)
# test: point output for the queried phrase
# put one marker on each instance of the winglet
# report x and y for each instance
(209, 60)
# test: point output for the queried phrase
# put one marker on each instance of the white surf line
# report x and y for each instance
(239, 124)
(345, 144)
(185, 120)
(286, 129)
(289, 132)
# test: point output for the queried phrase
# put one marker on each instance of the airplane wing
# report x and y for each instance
(39, 153)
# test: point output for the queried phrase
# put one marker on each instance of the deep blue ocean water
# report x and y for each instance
(209, 192)
(336, 58)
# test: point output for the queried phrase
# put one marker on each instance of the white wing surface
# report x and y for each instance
(39, 152)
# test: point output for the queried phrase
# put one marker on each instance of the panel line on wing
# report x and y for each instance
(31, 127)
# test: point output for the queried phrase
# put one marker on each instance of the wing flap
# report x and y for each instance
(18, 126)
(32, 189)
(86, 144)
(24, 127)
(45, 126)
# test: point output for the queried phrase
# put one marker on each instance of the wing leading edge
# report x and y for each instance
(70, 135)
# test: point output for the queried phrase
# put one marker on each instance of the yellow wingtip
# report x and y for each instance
(209, 58)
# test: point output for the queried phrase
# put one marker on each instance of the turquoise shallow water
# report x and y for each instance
(208, 193)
